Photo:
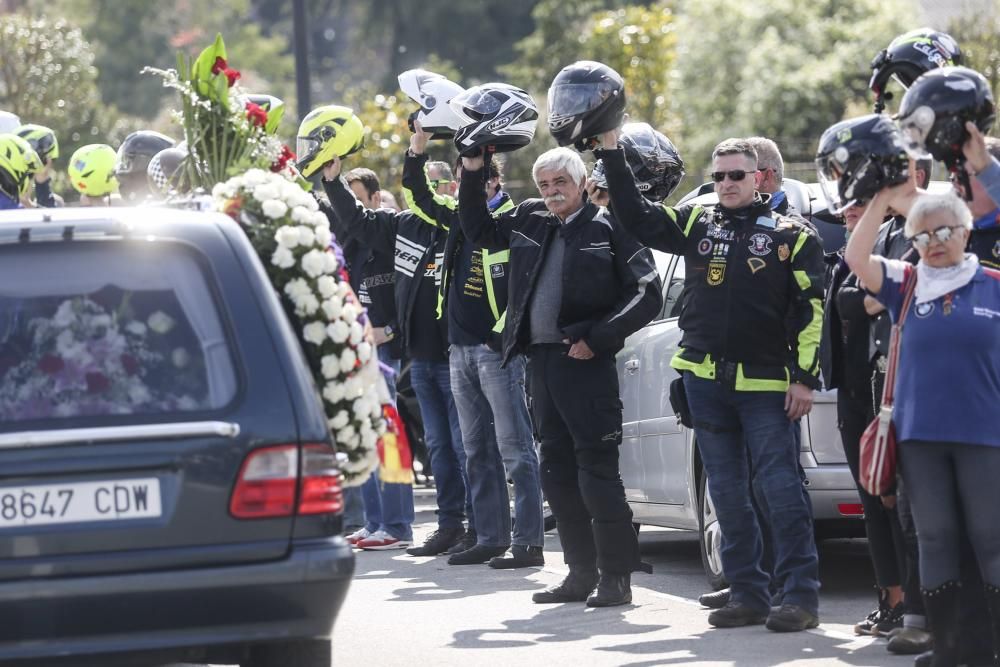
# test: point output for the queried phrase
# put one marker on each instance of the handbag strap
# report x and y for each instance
(895, 339)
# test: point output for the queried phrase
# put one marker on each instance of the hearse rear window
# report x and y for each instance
(108, 328)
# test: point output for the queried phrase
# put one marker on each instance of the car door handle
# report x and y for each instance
(632, 365)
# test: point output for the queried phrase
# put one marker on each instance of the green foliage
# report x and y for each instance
(786, 69)
(978, 35)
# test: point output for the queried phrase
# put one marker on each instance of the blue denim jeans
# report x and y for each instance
(388, 505)
(496, 432)
(431, 383)
(727, 423)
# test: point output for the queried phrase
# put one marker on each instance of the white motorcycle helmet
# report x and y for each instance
(432, 92)
(9, 122)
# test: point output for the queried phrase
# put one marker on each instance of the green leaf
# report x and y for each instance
(274, 119)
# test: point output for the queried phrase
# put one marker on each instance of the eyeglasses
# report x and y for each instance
(435, 182)
(942, 234)
(734, 175)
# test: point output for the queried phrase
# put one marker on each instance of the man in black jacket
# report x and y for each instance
(579, 286)
(418, 248)
(747, 269)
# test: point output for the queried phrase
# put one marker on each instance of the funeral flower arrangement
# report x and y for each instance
(85, 360)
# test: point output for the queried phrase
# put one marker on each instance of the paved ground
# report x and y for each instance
(422, 611)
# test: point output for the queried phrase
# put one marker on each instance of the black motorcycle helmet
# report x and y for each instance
(585, 99)
(133, 158)
(654, 161)
(934, 111)
(497, 115)
(908, 57)
(164, 172)
(859, 157)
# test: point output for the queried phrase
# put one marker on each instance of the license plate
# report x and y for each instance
(79, 502)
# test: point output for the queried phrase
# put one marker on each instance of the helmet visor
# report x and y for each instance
(569, 99)
(915, 128)
(474, 105)
(306, 147)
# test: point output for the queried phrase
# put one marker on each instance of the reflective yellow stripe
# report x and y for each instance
(810, 336)
(671, 212)
(801, 241)
(498, 327)
(490, 259)
(704, 370)
(744, 383)
(802, 278)
(695, 214)
(412, 205)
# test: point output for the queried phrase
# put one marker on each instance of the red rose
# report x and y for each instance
(256, 114)
(286, 156)
(51, 364)
(232, 75)
(220, 65)
(130, 364)
(97, 382)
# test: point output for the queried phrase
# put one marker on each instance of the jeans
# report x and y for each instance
(496, 432)
(951, 486)
(431, 381)
(727, 422)
(389, 506)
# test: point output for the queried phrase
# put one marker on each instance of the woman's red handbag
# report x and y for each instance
(878, 443)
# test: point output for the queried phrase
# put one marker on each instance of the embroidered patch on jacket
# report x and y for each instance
(716, 273)
(704, 246)
(783, 252)
(756, 264)
(760, 244)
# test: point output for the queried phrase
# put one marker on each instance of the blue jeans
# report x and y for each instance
(727, 423)
(431, 383)
(388, 505)
(496, 432)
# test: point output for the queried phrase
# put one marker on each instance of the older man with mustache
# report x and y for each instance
(579, 285)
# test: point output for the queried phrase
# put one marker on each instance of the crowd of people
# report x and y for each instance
(510, 315)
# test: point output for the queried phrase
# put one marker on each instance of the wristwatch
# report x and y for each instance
(390, 333)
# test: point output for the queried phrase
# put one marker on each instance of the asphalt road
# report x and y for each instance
(403, 610)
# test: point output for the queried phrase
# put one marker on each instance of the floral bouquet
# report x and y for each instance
(86, 361)
(292, 236)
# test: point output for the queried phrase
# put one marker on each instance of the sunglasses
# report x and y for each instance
(942, 234)
(734, 175)
(435, 182)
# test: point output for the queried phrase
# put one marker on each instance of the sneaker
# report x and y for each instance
(892, 620)
(909, 641)
(791, 618)
(357, 536)
(382, 541)
(520, 556)
(467, 542)
(736, 615)
(438, 542)
(869, 625)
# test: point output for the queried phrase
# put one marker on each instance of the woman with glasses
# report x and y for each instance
(947, 392)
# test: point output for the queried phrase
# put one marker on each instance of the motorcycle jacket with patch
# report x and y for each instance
(610, 286)
(750, 275)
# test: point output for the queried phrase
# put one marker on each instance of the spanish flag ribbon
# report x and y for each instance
(395, 456)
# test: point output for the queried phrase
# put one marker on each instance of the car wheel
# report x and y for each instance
(301, 653)
(711, 537)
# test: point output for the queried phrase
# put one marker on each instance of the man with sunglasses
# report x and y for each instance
(748, 268)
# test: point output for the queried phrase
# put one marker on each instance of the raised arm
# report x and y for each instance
(478, 225)
(859, 255)
(427, 205)
(376, 229)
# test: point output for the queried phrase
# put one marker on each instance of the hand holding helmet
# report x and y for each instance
(977, 157)
(655, 164)
(433, 93)
(325, 133)
(586, 99)
(496, 117)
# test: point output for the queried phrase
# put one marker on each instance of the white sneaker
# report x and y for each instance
(358, 535)
(382, 541)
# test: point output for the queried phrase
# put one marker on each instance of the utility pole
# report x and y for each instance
(300, 38)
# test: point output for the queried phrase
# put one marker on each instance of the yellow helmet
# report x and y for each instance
(42, 139)
(92, 170)
(13, 166)
(327, 132)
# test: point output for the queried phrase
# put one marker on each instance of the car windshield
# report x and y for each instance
(95, 329)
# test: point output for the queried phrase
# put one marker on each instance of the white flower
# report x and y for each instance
(180, 357)
(307, 237)
(330, 263)
(330, 366)
(364, 351)
(334, 392)
(314, 332)
(274, 208)
(297, 287)
(357, 333)
(254, 177)
(347, 436)
(287, 237)
(338, 331)
(332, 308)
(224, 190)
(265, 192)
(323, 237)
(340, 420)
(135, 327)
(160, 322)
(347, 361)
(307, 304)
(301, 215)
(138, 393)
(353, 387)
(64, 315)
(283, 258)
(313, 263)
(327, 286)
(369, 440)
(350, 313)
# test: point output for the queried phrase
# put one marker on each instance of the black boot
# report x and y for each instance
(612, 590)
(993, 600)
(574, 588)
(942, 605)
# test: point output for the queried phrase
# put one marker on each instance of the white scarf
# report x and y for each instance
(933, 283)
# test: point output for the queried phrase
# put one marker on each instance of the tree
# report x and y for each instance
(788, 70)
(978, 34)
